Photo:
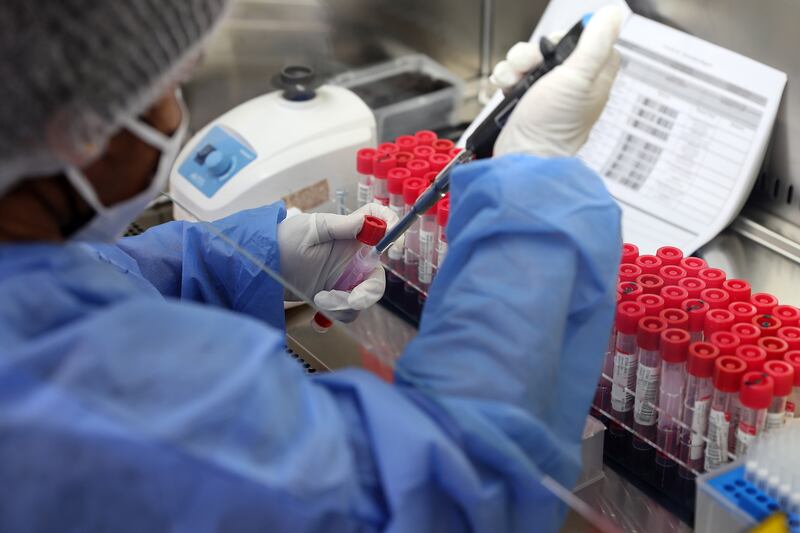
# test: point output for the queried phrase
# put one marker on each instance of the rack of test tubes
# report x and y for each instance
(697, 369)
(395, 174)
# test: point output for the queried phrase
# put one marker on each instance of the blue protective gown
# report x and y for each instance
(144, 386)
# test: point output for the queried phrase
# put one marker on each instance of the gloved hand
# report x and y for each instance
(555, 116)
(314, 250)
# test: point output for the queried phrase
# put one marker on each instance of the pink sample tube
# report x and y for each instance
(782, 374)
(674, 296)
(753, 357)
(670, 255)
(418, 167)
(764, 302)
(693, 265)
(629, 253)
(755, 396)
(443, 146)
(412, 188)
(384, 162)
(697, 402)
(693, 285)
(442, 217)
(774, 346)
(793, 405)
(648, 372)
(670, 399)
(713, 277)
(649, 264)
(791, 334)
(625, 360)
(742, 311)
(675, 318)
(672, 274)
(425, 137)
(406, 143)
(739, 289)
(747, 333)
(697, 310)
(629, 291)
(427, 246)
(365, 161)
(629, 272)
(725, 341)
(716, 298)
(728, 372)
(650, 283)
(789, 315)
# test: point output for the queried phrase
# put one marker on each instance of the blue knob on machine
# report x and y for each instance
(218, 163)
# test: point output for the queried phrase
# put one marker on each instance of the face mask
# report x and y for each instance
(109, 223)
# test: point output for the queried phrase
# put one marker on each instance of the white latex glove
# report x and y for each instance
(555, 116)
(314, 250)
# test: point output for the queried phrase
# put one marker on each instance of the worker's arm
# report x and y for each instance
(192, 262)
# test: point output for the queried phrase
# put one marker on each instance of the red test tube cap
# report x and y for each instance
(383, 164)
(418, 167)
(412, 188)
(728, 373)
(372, 230)
(726, 341)
(748, 333)
(716, 298)
(365, 160)
(756, 390)
(672, 274)
(321, 323)
(782, 374)
(674, 345)
(425, 137)
(423, 152)
(443, 146)
(388, 148)
(696, 309)
(675, 318)
(629, 290)
(673, 295)
(717, 320)
(764, 302)
(791, 334)
(739, 289)
(438, 161)
(693, 265)
(701, 358)
(650, 283)
(629, 272)
(653, 304)
(713, 277)
(649, 333)
(629, 253)
(670, 255)
(694, 285)
(628, 316)
(430, 177)
(649, 264)
(406, 142)
(769, 324)
(443, 214)
(789, 315)
(793, 358)
(774, 346)
(753, 356)
(395, 179)
(403, 158)
(743, 311)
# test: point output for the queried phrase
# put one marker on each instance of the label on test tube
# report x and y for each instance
(644, 412)
(425, 256)
(745, 434)
(775, 420)
(364, 193)
(699, 426)
(624, 378)
(719, 423)
(441, 251)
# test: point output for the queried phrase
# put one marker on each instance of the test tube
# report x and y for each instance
(649, 264)
(774, 346)
(624, 375)
(742, 311)
(423, 152)
(673, 296)
(602, 395)
(725, 341)
(406, 143)
(675, 319)
(425, 137)
(713, 277)
(789, 315)
(388, 148)
(754, 399)
(395, 179)
(694, 286)
(650, 283)
(739, 289)
(629, 290)
(670, 399)
(768, 324)
(764, 302)
(629, 272)
(717, 320)
(753, 356)
(696, 309)
(648, 371)
(671, 274)
(716, 298)
(653, 304)
(359, 266)
(403, 158)
(793, 405)
(728, 372)
(365, 161)
(442, 216)
(697, 402)
(418, 167)
(629, 253)
(427, 246)
(790, 334)
(438, 161)
(782, 374)
(443, 146)
(693, 265)
(412, 188)
(384, 162)
(670, 255)
(747, 333)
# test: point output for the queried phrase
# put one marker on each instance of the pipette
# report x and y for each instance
(480, 144)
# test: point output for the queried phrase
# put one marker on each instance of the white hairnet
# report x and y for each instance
(70, 69)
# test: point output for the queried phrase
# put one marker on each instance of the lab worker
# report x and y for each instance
(143, 381)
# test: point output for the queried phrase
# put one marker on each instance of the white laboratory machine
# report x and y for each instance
(298, 144)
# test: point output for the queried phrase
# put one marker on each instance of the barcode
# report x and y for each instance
(633, 161)
(646, 391)
(658, 106)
